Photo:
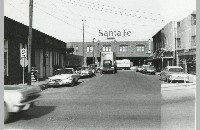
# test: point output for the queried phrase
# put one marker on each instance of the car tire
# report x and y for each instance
(73, 83)
(6, 114)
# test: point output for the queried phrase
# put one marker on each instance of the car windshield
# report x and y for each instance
(68, 71)
(107, 62)
(175, 70)
(85, 68)
(58, 72)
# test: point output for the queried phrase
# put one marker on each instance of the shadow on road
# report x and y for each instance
(36, 112)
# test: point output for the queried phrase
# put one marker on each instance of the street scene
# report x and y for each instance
(87, 64)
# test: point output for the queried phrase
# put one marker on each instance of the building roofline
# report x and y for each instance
(32, 28)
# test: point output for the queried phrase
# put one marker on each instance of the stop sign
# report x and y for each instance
(23, 62)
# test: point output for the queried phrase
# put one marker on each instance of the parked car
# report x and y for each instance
(144, 68)
(174, 73)
(149, 70)
(98, 68)
(86, 72)
(139, 69)
(93, 67)
(19, 98)
(64, 77)
(134, 68)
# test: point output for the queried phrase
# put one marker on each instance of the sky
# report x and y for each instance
(64, 19)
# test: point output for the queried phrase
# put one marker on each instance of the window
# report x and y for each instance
(193, 19)
(89, 48)
(178, 43)
(123, 48)
(140, 48)
(6, 57)
(193, 40)
(178, 24)
(107, 48)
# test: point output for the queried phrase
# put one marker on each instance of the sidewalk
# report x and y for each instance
(177, 92)
(41, 84)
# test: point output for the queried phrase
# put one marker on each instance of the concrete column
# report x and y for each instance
(41, 73)
(51, 63)
(185, 62)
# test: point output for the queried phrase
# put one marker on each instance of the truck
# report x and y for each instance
(123, 64)
(108, 62)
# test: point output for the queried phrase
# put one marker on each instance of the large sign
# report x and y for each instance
(113, 34)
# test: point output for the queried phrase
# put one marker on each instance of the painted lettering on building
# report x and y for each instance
(113, 34)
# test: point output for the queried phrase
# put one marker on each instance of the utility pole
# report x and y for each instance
(30, 40)
(83, 44)
(93, 50)
(175, 60)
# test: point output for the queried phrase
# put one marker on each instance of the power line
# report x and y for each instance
(110, 11)
(108, 20)
(58, 17)
(63, 20)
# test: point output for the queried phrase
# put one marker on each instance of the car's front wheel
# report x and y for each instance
(73, 83)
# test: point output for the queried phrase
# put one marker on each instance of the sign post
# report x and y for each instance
(23, 61)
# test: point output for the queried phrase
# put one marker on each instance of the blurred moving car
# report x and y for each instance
(19, 98)
(149, 70)
(66, 76)
(174, 73)
(86, 72)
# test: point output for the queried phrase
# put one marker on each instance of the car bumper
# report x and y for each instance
(59, 83)
(22, 106)
(82, 75)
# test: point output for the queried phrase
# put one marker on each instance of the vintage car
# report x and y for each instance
(139, 68)
(143, 68)
(64, 77)
(19, 98)
(86, 72)
(174, 73)
(149, 70)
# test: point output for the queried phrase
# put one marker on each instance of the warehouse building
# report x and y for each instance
(48, 52)
(136, 51)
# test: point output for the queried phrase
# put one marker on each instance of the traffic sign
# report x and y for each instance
(23, 53)
(23, 62)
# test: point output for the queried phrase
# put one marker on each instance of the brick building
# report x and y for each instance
(47, 52)
(186, 43)
(136, 51)
(164, 47)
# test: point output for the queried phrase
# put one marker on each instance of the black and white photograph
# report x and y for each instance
(99, 65)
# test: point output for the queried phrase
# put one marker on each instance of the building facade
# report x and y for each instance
(164, 45)
(47, 53)
(135, 51)
(186, 43)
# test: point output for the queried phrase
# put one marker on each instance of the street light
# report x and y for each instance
(93, 50)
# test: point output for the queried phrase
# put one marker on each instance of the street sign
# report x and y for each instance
(23, 62)
(23, 53)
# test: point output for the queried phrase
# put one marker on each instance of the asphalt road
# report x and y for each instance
(126, 100)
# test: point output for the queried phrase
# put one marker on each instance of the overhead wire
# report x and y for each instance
(60, 19)
(108, 20)
(111, 11)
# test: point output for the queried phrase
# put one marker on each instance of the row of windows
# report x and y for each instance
(122, 48)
